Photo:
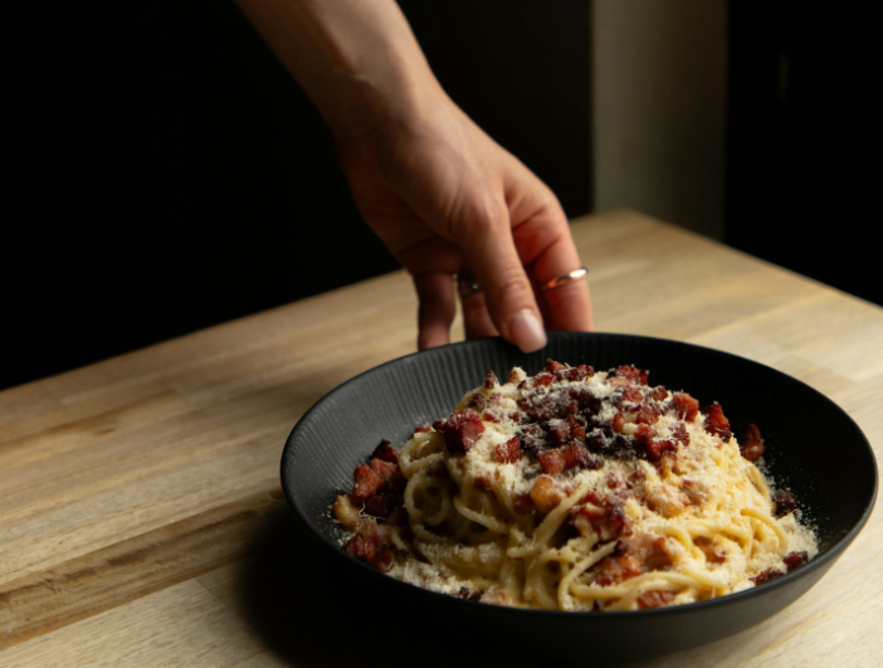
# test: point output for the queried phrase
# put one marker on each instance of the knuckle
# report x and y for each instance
(477, 218)
(511, 282)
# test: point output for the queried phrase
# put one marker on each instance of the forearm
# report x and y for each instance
(357, 60)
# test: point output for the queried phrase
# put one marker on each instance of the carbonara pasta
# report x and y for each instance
(574, 490)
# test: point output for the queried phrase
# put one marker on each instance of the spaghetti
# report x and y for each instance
(575, 490)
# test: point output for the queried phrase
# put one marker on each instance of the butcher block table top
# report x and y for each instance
(142, 521)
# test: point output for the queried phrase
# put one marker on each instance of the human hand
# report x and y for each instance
(445, 198)
(442, 195)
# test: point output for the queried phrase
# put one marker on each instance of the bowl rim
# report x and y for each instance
(823, 560)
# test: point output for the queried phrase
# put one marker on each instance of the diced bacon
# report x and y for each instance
(648, 550)
(655, 598)
(716, 422)
(461, 430)
(532, 437)
(384, 560)
(657, 447)
(618, 423)
(616, 523)
(658, 393)
(546, 495)
(482, 483)
(469, 595)
(644, 434)
(785, 503)
(538, 411)
(583, 519)
(524, 505)
(577, 426)
(493, 414)
(477, 401)
(607, 519)
(631, 397)
(685, 407)
(551, 461)
(387, 453)
(752, 446)
(495, 399)
(597, 440)
(584, 397)
(648, 414)
(576, 456)
(552, 366)
(570, 428)
(714, 552)
(386, 470)
(563, 372)
(678, 432)
(794, 559)
(366, 482)
(615, 569)
(491, 381)
(767, 575)
(362, 549)
(594, 497)
(508, 452)
(632, 373)
(560, 431)
(377, 506)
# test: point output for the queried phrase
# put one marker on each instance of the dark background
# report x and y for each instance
(164, 173)
(174, 176)
(803, 159)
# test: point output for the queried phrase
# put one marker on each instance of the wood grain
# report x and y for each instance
(137, 494)
(114, 575)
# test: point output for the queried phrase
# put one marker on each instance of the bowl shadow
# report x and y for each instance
(310, 612)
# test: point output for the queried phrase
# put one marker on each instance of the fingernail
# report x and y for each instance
(526, 331)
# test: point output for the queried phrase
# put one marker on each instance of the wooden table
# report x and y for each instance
(141, 518)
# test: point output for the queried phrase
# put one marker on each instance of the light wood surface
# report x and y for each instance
(141, 519)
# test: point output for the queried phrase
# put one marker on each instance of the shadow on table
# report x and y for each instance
(308, 611)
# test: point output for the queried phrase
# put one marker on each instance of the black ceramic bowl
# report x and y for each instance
(813, 448)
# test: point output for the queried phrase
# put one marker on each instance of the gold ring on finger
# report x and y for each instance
(566, 279)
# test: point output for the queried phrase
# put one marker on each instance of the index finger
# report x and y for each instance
(509, 295)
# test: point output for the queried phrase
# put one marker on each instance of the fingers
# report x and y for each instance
(569, 307)
(435, 292)
(477, 321)
(508, 294)
(545, 243)
(509, 303)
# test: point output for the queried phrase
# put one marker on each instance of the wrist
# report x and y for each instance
(375, 100)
